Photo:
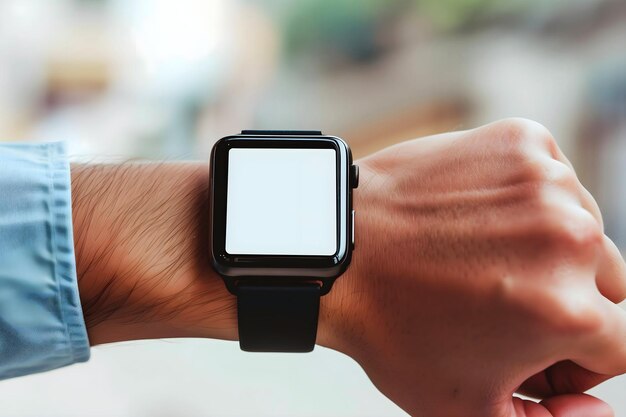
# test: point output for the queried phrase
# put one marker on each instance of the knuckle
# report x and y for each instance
(518, 130)
(562, 175)
(580, 231)
(573, 313)
(559, 309)
(541, 134)
(566, 228)
(513, 130)
(543, 175)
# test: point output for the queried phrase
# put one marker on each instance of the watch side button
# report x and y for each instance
(354, 176)
(352, 236)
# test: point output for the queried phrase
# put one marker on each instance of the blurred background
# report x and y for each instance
(165, 79)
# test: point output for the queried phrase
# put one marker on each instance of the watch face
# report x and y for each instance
(281, 202)
(280, 206)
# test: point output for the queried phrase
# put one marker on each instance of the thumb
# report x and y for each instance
(568, 405)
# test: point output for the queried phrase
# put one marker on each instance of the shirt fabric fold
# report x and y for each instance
(41, 319)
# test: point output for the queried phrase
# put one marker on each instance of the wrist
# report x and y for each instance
(141, 237)
(343, 311)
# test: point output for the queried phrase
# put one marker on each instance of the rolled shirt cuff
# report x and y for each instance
(41, 319)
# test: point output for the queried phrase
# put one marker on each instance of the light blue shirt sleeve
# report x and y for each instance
(41, 320)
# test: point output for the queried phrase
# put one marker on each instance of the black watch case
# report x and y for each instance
(277, 269)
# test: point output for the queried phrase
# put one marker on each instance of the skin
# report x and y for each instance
(481, 270)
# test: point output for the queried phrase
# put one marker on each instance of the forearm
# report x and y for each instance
(141, 236)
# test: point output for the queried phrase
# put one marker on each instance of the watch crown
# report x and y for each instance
(354, 176)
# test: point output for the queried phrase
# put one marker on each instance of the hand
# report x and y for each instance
(481, 269)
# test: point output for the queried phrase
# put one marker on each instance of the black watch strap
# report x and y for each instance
(278, 318)
(282, 132)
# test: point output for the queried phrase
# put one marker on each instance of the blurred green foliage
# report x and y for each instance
(346, 26)
(353, 27)
(459, 14)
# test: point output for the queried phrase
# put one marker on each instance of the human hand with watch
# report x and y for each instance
(480, 268)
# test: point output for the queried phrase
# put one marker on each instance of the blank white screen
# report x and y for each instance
(281, 202)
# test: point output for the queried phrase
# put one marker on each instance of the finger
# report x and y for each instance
(564, 377)
(590, 204)
(577, 405)
(611, 275)
(561, 173)
(586, 199)
(558, 154)
(604, 350)
(569, 405)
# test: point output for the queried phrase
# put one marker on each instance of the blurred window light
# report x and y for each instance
(176, 41)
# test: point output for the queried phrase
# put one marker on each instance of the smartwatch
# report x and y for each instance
(282, 230)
